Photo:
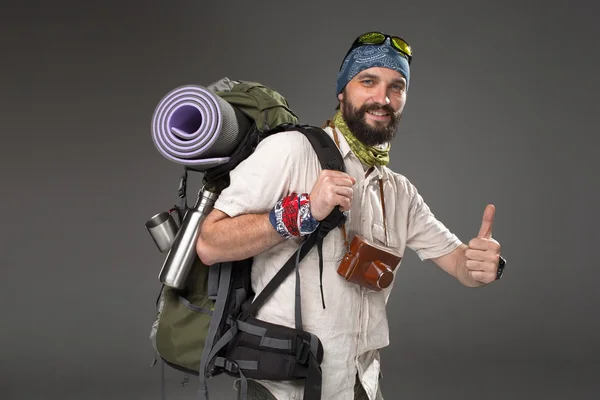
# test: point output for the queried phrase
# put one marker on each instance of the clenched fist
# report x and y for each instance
(333, 188)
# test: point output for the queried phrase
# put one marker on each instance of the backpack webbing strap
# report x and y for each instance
(331, 222)
(224, 341)
(298, 299)
(215, 323)
(182, 192)
(287, 268)
(314, 380)
(235, 365)
(278, 279)
(330, 158)
(163, 392)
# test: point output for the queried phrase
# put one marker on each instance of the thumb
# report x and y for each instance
(488, 220)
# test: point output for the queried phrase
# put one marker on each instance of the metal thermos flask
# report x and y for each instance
(182, 254)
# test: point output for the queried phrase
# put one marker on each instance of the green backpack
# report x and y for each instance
(266, 107)
(208, 327)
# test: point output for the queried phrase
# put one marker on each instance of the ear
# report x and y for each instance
(341, 96)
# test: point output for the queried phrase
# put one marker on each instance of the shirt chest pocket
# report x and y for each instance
(333, 246)
(390, 240)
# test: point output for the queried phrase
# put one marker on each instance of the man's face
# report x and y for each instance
(372, 104)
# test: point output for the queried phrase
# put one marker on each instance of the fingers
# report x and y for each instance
(336, 178)
(343, 191)
(483, 276)
(482, 271)
(484, 244)
(339, 196)
(488, 220)
(333, 188)
(345, 204)
(481, 255)
(482, 259)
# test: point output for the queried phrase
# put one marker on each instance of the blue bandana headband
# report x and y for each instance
(369, 56)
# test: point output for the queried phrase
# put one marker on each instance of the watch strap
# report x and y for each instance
(501, 265)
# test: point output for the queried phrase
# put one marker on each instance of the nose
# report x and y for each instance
(380, 95)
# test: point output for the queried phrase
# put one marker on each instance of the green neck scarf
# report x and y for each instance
(368, 155)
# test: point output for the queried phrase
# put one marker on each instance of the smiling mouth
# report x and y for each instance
(378, 114)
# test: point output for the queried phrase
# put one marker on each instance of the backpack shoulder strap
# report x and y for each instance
(326, 149)
(330, 158)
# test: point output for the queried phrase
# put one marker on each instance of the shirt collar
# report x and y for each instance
(344, 146)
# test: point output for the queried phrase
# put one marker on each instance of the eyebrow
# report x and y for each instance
(367, 75)
(398, 81)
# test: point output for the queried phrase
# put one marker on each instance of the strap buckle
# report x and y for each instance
(231, 366)
(302, 352)
(182, 189)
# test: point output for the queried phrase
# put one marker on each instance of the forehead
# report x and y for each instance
(382, 73)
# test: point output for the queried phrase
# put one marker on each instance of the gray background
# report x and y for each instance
(502, 109)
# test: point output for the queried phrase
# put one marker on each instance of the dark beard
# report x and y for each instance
(369, 135)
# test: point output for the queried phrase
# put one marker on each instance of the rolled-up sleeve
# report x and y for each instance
(426, 235)
(263, 178)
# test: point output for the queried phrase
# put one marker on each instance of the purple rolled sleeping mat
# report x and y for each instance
(195, 127)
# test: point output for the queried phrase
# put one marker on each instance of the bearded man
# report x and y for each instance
(382, 208)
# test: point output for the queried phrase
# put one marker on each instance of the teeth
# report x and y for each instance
(379, 114)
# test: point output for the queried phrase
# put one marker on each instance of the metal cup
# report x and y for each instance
(162, 228)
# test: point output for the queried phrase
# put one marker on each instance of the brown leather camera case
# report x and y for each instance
(368, 264)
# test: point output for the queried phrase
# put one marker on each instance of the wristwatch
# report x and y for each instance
(500, 268)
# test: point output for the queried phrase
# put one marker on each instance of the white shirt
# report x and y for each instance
(353, 326)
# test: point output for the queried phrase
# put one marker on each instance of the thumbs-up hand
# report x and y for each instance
(483, 252)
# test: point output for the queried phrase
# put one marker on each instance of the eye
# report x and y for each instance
(398, 88)
(367, 82)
